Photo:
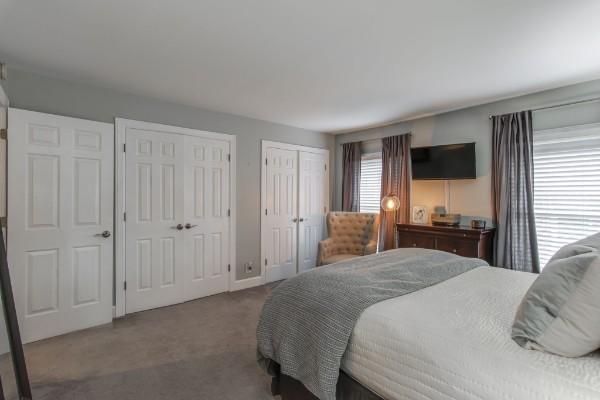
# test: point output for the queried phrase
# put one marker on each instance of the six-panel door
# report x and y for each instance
(206, 210)
(280, 235)
(154, 244)
(312, 207)
(60, 203)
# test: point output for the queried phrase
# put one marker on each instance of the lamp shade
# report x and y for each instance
(391, 202)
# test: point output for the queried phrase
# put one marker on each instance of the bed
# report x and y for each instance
(451, 340)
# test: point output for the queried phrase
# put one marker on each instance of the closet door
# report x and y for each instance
(312, 204)
(206, 217)
(177, 206)
(281, 213)
(60, 203)
(154, 248)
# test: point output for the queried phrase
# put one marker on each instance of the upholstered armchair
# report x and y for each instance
(351, 234)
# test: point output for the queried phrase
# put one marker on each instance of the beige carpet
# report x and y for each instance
(203, 349)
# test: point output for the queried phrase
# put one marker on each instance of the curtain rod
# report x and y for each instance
(572, 103)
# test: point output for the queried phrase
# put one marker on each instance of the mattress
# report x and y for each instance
(452, 341)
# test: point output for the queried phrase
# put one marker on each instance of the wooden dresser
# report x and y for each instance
(462, 240)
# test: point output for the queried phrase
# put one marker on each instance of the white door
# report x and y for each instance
(206, 217)
(281, 213)
(60, 203)
(312, 204)
(154, 245)
(177, 225)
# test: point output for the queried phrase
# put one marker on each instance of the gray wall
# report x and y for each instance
(38, 93)
(473, 197)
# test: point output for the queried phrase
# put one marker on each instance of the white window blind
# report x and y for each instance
(566, 186)
(370, 183)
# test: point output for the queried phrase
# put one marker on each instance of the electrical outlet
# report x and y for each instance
(248, 267)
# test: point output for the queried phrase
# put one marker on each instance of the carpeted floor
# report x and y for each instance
(204, 349)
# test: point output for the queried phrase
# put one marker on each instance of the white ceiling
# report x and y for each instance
(324, 65)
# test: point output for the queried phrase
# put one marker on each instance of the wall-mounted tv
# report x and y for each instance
(452, 161)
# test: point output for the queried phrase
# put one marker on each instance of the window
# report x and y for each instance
(566, 186)
(370, 183)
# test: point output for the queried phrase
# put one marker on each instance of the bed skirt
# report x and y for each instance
(291, 389)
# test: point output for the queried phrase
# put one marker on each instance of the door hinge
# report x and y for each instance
(228, 157)
(266, 211)
(325, 167)
(124, 147)
(265, 262)
(266, 161)
(124, 216)
(228, 267)
(3, 134)
(125, 285)
(229, 213)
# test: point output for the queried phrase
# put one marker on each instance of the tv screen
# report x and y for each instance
(453, 161)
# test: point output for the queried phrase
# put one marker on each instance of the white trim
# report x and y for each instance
(119, 222)
(121, 124)
(373, 155)
(263, 195)
(247, 283)
(570, 128)
(288, 146)
(3, 98)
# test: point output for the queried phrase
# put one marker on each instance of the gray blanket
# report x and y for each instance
(307, 321)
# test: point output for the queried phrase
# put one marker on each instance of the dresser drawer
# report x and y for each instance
(461, 247)
(415, 240)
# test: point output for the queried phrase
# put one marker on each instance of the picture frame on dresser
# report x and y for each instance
(419, 215)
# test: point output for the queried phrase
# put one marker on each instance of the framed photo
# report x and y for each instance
(419, 215)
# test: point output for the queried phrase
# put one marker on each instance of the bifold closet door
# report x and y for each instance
(312, 206)
(60, 208)
(281, 213)
(177, 227)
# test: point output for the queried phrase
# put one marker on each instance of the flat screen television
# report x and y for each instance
(452, 161)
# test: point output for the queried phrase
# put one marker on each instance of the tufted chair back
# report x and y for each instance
(351, 234)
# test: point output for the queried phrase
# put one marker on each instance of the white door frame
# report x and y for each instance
(263, 190)
(121, 125)
(4, 103)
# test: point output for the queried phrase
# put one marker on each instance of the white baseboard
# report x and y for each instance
(247, 283)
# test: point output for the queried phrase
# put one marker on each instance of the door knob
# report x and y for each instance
(301, 219)
(189, 226)
(295, 220)
(178, 227)
(105, 234)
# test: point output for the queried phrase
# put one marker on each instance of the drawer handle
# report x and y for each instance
(454, 250)
(414, 245)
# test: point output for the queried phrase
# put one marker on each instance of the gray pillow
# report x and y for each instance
(560, 313)
(590, 243)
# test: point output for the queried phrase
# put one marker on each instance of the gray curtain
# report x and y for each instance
(351, 177)
(512, 192)
(396, 178)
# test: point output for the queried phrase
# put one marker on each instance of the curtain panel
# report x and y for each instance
(515, 245)
(351, 177)
(396, 178)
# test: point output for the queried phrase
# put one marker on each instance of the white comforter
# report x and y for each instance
(452, 341)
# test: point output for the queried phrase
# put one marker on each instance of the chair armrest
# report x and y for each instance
(371, 247)
(326, 249)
